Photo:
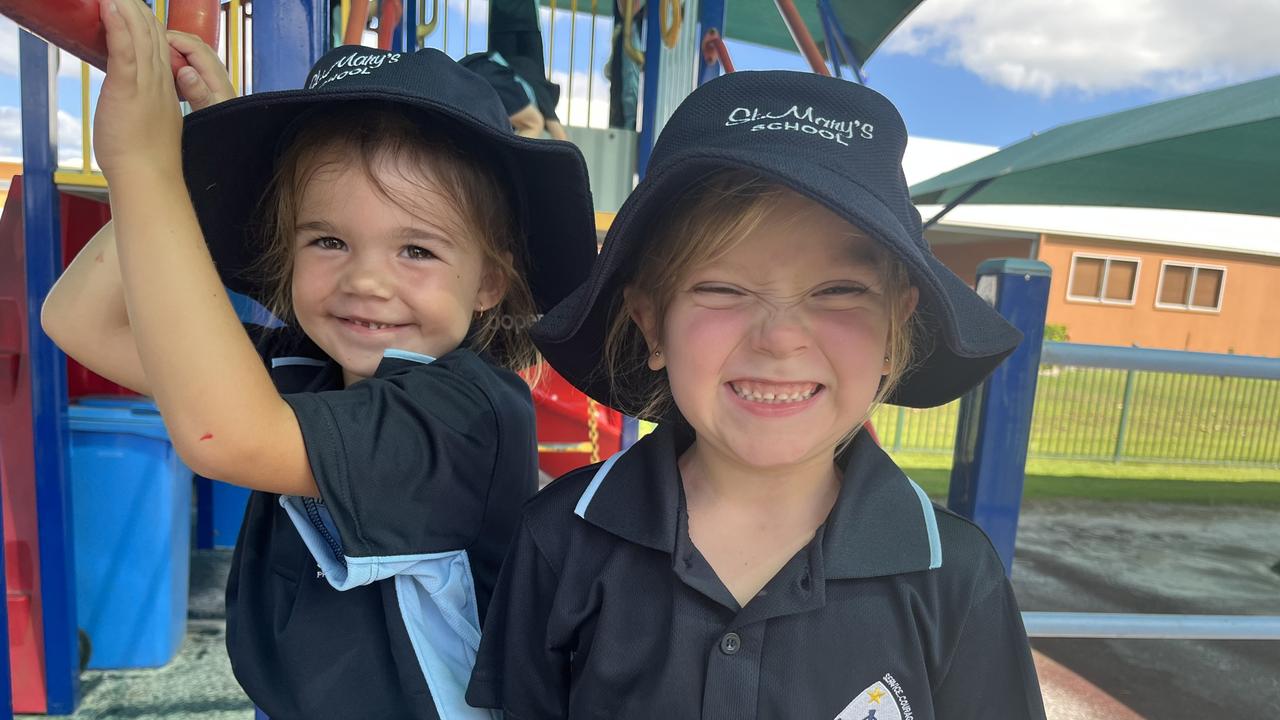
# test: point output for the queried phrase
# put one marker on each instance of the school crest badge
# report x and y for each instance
(884, 700)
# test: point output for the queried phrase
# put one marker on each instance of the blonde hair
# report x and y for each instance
(706, 223)
(459, 177)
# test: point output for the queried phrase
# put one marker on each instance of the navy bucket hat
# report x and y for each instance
(835, 142)
(230, 152)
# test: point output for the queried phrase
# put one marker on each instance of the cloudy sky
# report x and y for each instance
(978, 71)
(995, 71)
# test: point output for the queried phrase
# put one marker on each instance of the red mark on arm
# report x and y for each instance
(98, 258)
(206, 436)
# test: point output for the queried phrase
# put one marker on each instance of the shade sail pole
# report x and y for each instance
(800, 34)
(973, 189)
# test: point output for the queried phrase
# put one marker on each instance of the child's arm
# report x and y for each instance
(85, 312)
(86, 316)
(222, 411)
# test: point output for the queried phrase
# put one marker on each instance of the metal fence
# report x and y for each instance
(1211, 415)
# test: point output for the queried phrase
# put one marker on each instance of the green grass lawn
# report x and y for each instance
(1171, 419)
(1048, 478)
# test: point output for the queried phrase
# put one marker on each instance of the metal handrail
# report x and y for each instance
(1157, 360)
(1151, 626)
(628, 46)
(424, 30)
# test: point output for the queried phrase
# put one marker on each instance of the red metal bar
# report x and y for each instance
(714, 50)
(74, 25)
(388, 21)
(356, 21)
(800, 34)
(198, 17)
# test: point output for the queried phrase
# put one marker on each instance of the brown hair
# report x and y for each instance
(459, 177)
(706, 223)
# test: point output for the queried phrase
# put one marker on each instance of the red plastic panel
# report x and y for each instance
(562, 418)
(81, 218)
(17, 471)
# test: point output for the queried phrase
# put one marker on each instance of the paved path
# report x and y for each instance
(1159, 558)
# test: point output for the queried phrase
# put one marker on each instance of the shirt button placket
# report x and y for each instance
(733, 675)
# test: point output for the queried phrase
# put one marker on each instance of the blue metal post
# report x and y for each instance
(43, 245)
(652, 60)
(838, 42)
(711, 14)
(399, 40)
(292, 35)
(409, 25)
(995, 418)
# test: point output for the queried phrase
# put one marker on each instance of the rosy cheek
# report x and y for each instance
(698, 344)
(857, 345)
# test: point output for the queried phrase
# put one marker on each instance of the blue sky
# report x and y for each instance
(979, 71)
(948, 102)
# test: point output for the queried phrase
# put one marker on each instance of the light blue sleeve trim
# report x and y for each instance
(346, 572)
(931, 525)
(286, 361)
(252, 312)
(333, 567)
(437, 602)
(590, 492)
(407, 355)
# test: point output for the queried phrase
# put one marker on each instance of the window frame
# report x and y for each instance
(1191, 288)
(1102, 298)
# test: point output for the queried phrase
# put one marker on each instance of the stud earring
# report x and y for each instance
(657, 353)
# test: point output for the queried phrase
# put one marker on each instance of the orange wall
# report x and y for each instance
(7, 171)
(964, 258)
(1247, 324)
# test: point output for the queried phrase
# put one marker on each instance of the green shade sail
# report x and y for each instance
(1217, 151)
(866, 22)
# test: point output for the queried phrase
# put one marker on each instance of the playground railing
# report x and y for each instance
(234, 46)
(1130, 404)
(577, 41)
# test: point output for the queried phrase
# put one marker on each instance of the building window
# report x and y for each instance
(1103, 279)
(1191, 287)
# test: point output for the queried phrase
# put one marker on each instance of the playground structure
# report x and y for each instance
(47, 217)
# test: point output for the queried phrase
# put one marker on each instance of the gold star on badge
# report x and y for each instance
(875, 695)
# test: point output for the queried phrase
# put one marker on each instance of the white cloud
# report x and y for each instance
(10, 131)
(8, 47)
(68, 135)
(574, 111)
(68, 64)
(928, 157)
(1098, 46)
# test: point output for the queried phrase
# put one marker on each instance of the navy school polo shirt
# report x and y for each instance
(896, 610)
(366, 604)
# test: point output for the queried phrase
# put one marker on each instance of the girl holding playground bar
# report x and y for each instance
(761, 291)
(389, 442)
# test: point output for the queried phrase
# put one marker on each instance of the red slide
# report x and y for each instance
(74, 25)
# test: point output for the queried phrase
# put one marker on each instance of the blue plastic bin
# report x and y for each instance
(131, 503)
